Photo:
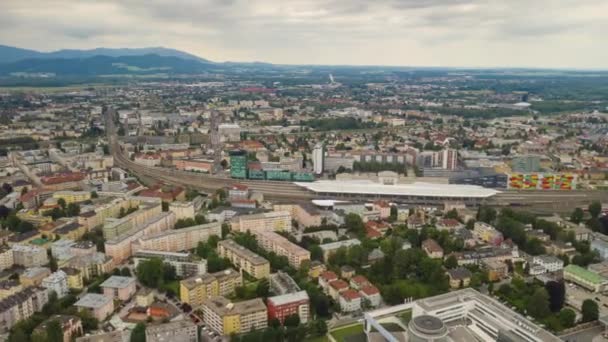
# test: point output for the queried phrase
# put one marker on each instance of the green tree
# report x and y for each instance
(538, 304)
(94, 194)
(567, 317)
(590, 310)
(18, 335)
(316, 253)
(139, 333)
(595, 208)
(262, 288)
(61, 203)
(354, 223)
(577, 215)
(72, 210)
(450, 262)
(54, 333)
(292, 321)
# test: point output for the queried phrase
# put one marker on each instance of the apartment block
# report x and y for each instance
(244, 259)
(56, 282)
(146, 210)
(6, 257)
(182, 210)
(29, 256)
(118, 287)
(227, 318)
(297, 303)
(273, 242)
(185, 264)
(195, 290)
(305, 214)
(176, 240)
(72, 196)
(179, 331)
(273, 221)
(121, 247)
(486, 233)
(21, 306)
(97, 305)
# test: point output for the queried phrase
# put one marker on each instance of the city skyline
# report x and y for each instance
(437, 33)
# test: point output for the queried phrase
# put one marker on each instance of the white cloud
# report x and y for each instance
(541, 33)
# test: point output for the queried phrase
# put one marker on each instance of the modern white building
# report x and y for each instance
(545, 263)
(318, 155)
(470, 315)
(57, 282)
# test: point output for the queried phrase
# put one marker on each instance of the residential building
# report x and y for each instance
(118, 287)
(585, 278)
(336, 287)
(57, 282)
(21, 306)
(325, 278)
(244, 259)
(305, 214)
(281, 283)
(177, 240)
(227, 318)
(186, 264)
(29, 256)
(75, 279)
(72, 196)
(122, 247)
(92, 265)
(296, 303)
(33, 276)
(113, 336)
(486, 233)
(370, 296)
(316, 268)
(144, 298)
(545, 264)
(179, 331)
(273, 242)
(601, 246)
(98, 305)
(273, 221)
(459, 277)
(182, 210)
(71, 326)
(497, 269)
(350, 300)
(432, 249)
(195, 290)
(330, 248)
(6, 257)
(9, 288)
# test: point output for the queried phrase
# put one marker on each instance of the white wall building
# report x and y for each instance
(57, 282)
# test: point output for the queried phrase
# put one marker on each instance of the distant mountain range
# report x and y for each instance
(10, 54)
(101, 61)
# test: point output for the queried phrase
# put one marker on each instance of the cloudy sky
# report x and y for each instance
(531, 33)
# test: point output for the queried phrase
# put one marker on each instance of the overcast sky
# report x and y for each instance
(531, 33)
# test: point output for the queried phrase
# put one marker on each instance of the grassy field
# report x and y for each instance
(406, 316)
(341, 334)
(317, 339)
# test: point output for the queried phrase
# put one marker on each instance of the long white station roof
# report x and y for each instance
(417, 189)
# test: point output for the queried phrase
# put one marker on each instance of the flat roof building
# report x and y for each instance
(244, 259)
(227, 318)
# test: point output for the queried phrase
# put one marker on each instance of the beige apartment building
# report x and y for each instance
(273, 242)
(244, 259)
(227, 318)
(273, 221)
(196, 290)
(176, 240)
(120, 248)
(6, 257)
(305, 214)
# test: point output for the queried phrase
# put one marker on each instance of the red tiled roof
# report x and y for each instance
(329, 275)
(350, 294)
(359, 279)
(370, 290)
(372, 233)
(62, 178)
(338, 284)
